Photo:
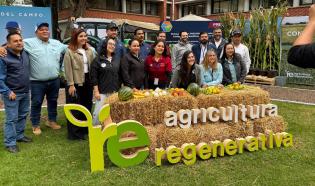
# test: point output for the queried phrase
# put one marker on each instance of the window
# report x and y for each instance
(134, 6)
(197, 9)
(307, 2)
(267, 4)
(105, 5)
(151, 8)
(168, 10)
(219, 6)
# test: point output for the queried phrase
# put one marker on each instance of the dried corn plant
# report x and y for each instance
(263, 37)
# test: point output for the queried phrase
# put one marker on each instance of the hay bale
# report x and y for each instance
(149, 111)
(248, 96)
(276, 124)
(163, 136)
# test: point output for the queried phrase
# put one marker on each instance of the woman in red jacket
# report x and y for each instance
(158, 66)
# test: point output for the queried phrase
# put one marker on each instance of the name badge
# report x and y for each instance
(156, 81)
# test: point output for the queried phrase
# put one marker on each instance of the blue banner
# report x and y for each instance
(26, 17)
(172, 29)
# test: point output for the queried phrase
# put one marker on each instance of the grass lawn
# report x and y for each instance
(53, 160)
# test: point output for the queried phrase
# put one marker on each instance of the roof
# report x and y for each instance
(148, 26)
(192, 17)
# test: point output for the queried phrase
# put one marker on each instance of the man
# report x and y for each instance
(44, 56)
(241, 48)
(218, 41)
(144, 47)
(12, 27)
(112, 32)
(180, 48)
(202, 47)
(14, 87)
(162, 37)
(302, 54)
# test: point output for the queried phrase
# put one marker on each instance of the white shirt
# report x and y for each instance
(243, 51)
(86, 65)
(202, 53)
(217, 43)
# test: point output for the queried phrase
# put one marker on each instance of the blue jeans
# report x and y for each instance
(16, 112)
(39, 89)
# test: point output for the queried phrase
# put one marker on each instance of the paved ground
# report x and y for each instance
(277, 93)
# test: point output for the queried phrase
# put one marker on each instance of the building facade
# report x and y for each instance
(154, 11)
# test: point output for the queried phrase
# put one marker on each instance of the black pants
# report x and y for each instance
(84, 96)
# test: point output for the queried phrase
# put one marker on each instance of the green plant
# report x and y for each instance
(263, 39)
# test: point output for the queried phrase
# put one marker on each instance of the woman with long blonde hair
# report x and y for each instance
(211, 70)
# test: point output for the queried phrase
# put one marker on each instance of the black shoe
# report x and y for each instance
(25, 140)
(12, 149)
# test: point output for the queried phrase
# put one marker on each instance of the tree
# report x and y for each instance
(6, 2)
(77, 7)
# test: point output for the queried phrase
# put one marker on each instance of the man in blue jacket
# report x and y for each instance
(14, 87)
(202, 47)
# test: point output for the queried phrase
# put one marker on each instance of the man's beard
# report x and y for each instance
(204, 42)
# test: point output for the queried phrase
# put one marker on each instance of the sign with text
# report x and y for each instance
(295, 75)
(172, 29)
(26, 17)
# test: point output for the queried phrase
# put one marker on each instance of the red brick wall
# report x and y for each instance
(65, 14)
(120, 15)
(298, 11)
(292, 11)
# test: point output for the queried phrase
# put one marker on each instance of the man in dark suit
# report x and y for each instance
(218, 41)
(202, 47)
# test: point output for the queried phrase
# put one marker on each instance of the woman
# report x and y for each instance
(187, 72)
(77, 62)
(234, 68)
(158, 66)
(132, 68)
(211, 70)
(105, 75)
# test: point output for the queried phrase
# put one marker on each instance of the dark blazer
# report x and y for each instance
(196, 49)
(220, 47)
(132, 69)
(240, 68)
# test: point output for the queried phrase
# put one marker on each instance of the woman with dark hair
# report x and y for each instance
(79, 90)
(158, 66)
(187, 72)
(211, 70)
(105, 75)
(132, 67)
(234, 68)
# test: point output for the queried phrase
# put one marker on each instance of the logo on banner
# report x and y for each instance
(166, 26)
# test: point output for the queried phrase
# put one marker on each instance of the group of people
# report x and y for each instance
(33, 65)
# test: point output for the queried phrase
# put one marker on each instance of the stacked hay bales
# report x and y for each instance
(150, 112)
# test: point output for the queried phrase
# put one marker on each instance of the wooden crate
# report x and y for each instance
(262, 80)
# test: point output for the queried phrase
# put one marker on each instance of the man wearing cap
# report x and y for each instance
(14, 87)
(202, 47)
(218, 41)
(111, 32)
(241, 48)
(44, 56)
(12, 27)
(144, 47)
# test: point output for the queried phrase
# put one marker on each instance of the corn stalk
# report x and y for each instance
(263, 39)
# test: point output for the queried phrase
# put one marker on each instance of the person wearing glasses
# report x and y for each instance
(105, 75)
